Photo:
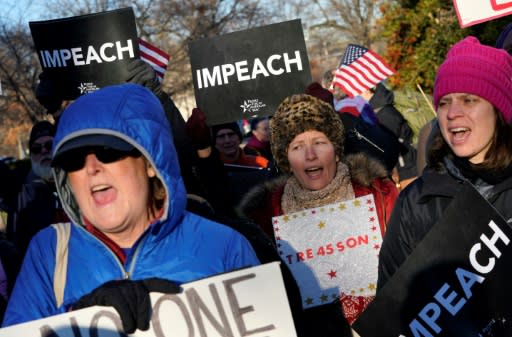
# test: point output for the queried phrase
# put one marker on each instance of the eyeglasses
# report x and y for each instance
(74, 160)
(227, 134)
(37, 148)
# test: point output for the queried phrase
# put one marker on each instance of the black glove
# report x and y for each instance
(47, 94)
(197, 130)
(142, 73)
(129, 298)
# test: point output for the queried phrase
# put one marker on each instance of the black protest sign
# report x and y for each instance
(455, 283)
(84, 53)
(247, 74)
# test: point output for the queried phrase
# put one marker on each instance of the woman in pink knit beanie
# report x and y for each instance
(473, 99)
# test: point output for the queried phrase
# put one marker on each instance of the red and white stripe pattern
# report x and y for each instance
(360, 69)
(158, 59)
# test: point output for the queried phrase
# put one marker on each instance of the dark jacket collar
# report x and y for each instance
(447, 182)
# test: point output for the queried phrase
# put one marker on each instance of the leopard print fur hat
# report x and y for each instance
(300, 113)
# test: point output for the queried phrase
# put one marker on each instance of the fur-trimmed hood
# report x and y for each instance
(363, 171)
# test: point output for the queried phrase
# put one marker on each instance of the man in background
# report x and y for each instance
(37, 204)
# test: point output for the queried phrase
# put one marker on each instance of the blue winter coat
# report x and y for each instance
(180, 246)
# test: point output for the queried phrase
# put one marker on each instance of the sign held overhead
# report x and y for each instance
(247, 74)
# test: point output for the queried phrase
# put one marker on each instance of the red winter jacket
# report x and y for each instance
(263, 203)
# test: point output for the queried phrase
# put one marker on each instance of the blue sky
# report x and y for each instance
(21, 11)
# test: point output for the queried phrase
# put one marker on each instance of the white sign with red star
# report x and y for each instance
(331, 250)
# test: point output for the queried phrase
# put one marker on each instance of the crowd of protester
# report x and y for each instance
(166, 206)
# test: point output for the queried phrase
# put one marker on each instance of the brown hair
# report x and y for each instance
(498, 157)
(156, 196)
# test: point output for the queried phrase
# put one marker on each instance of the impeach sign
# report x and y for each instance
(84, 53)
(248, 73)
(248, 302)
(455, 283)
(332, 250)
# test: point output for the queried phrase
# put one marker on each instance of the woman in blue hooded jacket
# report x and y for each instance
(118, 177)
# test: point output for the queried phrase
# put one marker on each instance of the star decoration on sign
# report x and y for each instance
(82, 87)
(332, 273)
(309, 301)
(376, 246)
(245, 106)
(321, 225)
(357, 203)
(286, 218)
(370, 209)
(342, 207)
(276, 221)
(276, 229)
(374, 228)
(313, 212)
(372, 286)
(372, 219)
(324, 298)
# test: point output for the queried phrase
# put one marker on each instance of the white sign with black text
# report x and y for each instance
(248, 302)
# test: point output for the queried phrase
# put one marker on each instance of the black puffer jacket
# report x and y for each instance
(382, 103)
(422, 204)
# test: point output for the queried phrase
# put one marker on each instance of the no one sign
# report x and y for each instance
(246, 302)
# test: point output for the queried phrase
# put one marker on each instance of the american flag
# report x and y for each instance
(158, 59)
(360, 69)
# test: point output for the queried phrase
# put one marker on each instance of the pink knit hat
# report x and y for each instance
(473, 68)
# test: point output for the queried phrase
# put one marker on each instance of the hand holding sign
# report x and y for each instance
(129, 298)
(197, 129)
(47, 93)
(142, 73)
(247, 302)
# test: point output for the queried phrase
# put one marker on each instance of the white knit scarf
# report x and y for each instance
(296, 198)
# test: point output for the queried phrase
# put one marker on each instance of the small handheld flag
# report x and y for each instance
(360, 69)
(158, 59)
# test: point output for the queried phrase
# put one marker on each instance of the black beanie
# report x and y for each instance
(233, 126)
(40, 129)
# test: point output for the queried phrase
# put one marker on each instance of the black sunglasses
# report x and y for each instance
(74, 160)
(37, 148)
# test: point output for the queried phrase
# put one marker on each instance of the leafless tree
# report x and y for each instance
(172, 24)
(18, 78)
(18, 72)
(354, 20)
